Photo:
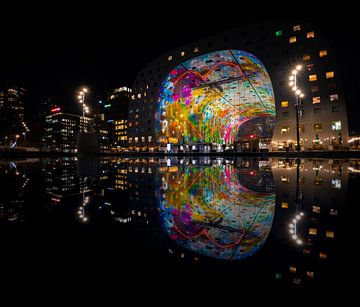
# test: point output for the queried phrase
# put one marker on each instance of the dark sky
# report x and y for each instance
(54, 57)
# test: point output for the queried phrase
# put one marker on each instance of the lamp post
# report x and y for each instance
(85, 108)
(293, 84)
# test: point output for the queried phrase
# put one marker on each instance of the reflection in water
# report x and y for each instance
(204, 209)
(209, 211)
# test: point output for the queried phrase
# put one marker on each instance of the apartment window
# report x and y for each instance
(312, 78)
(196, 49)
(284, 104)
(292, 39)
(170, 58)
(285, 129)
(334, 97)
(330, 234)
(335, 109)
(330, 75)
(297, 28)
(323, 256)
(317, 111)
(318, 127)
(316, 209)
(310, 274)
(284, 205)
(149, 138)
(336, 183)
(314, 89)
(285, 114)
(143, 139)
(310, 34)
(306, 58)
(322, 53)
(316, 99)
(278, 33)
(285, 179)
(182, 53)
(313, 231)
(336, 125)
(136, 139)
(309, 67)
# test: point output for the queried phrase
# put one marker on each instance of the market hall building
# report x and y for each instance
(231, 92)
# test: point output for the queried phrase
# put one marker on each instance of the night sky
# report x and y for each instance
(51, 58)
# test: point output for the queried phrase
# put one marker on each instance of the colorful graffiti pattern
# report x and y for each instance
(208, 211)
(208, 98)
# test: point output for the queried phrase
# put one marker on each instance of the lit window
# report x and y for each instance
(312, 78)
(278, 33)
(285, 179)
(336, 125)
(316, 209)
(330, 234)
(284, 205)
(292, 39)
(309, 67)
(318, 181)
(292, 269)
(323, 256)
(297, 28)
(196, 49)
(149, 138)
(182, 53)
(170, 58)
(139, 95)
(316, 100)
(318, 127)
(310, 34)
(336, 183)
(306, 57)
(285, 129)
(130, 140)
(313, 231)
(136, 139)
(334, 212)
(334, 97)
(310, 274)
(330, 75)
(143, 139)
(284, 104)
(322, 53)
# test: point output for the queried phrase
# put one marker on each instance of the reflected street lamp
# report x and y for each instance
(298, 93)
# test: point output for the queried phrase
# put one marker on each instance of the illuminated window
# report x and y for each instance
(284, 104)
(336, 183)
(310, 34)
(196, 49)
(285, 179)
(306, 57)
(313, 231)
(330, 234)
(330, 75)
(316, 100)
(334, 212)
(316, 209)
(285, 129)
(143, 139)
(278, 33)
(322, 53)
(170, 58)
(309, 67)
(284, 205)
(334, 97)
(130, 140)
(136, 139)
(323, 256)
(318, 127)
(182, 53)
(312, 78)
(297, 28)
(318, 181)
(149, 138)
(314, 89)
(292, 269)
(292, 39)
(336, 125)
(310, 274)
(139, 95)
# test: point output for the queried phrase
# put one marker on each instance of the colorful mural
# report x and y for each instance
(207, 99)
(208, 211)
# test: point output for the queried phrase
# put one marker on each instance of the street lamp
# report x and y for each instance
(298, 93)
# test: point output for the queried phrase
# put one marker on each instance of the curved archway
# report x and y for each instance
(209, 98)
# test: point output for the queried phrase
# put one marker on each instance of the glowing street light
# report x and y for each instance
(82, 99)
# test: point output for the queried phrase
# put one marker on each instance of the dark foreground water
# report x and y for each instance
(261, 223)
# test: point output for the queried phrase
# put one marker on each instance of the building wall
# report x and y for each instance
(273, 43)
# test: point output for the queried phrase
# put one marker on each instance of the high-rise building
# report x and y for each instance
(231, 91)
(62, 129)
(12, 113)
(116, 109)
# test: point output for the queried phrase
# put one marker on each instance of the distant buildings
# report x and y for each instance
(13, 129)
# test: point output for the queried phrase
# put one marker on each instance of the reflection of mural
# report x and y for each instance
(208, 211)
(208, 98)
